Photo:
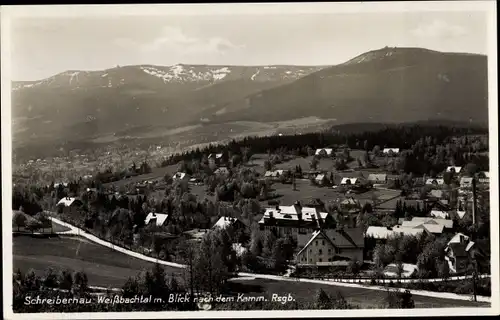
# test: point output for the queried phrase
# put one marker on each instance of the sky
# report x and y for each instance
(42, 47)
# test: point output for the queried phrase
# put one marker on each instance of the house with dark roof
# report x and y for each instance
(69, 205)
(295, 220)
(225, 222)
(350, 205)
(327, 247)
(457, 255)
(461, 252)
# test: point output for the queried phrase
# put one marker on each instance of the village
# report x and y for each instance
(339, 207)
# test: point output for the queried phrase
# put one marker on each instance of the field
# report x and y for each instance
(305, 191)
(364, 298)
(103, 266)
(108, 268)
(157, 173)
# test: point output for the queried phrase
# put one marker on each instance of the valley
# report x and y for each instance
(189, 105)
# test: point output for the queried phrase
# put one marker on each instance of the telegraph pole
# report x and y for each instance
(474, 212)
(474, 206)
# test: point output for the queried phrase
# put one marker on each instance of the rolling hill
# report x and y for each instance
(89, 104)
(389, 85)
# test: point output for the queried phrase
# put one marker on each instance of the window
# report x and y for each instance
(316, 243)
(320, 251)
(323, 242)
(320, 260)
(329, 250)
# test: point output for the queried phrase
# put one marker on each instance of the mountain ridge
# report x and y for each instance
(383, 85)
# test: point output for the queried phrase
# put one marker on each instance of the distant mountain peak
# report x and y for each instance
(388, 52)
(180, 73)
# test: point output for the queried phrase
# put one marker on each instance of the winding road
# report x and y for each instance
(334, 282)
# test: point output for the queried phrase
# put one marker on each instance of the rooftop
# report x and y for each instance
(160, 218)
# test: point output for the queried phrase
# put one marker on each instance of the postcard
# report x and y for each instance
(250, 160)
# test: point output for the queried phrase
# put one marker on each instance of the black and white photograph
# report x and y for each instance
(250, 160)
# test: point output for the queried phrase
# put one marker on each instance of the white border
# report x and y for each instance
(10, 12)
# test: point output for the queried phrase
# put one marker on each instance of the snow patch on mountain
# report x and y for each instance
(180, 73)
(72, 76)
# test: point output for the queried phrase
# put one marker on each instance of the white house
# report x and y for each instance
(68, 202)
(461, 213)
(440, 214)
(378, 232)
(453, 169)
(321, 179)
(431, 225)
(325, 151)
(69, 205)
(458, 238)
(274, 174)
(64, 184)
(466, 182)
(390, 150)
(433, 181)
(180, 176)
(407, 231)
(349, 181)
(158, 218)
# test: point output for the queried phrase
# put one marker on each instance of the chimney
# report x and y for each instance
(271, 215)
(462, 239)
